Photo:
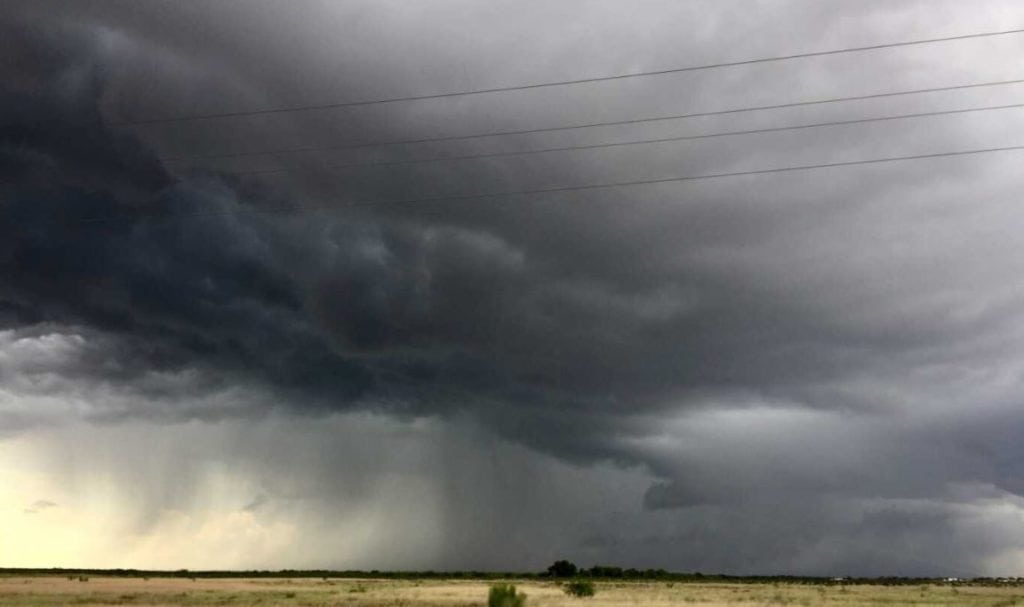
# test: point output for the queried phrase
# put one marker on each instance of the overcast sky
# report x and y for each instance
(211, 358)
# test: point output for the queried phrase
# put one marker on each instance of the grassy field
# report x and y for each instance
(98, 590)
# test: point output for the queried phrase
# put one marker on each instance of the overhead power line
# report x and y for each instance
(575, 188)
(525, 87)
(631, 121)
(635, 142)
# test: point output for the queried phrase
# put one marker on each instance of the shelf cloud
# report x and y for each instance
(811, 372)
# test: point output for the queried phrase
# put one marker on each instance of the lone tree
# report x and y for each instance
(562, 569)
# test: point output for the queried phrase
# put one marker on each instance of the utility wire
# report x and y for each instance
(576, 188)
(589, 125)
(642, 141)
(525, 87)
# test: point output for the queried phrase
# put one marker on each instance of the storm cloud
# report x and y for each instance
(813, 371)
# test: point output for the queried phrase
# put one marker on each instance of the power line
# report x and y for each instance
(576, 188)
(442, 138)
(644, 141)
(524, 87)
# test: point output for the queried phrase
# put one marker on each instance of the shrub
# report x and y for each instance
(505, 595)
(579, 588)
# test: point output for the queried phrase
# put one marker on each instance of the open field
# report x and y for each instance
(100, 590)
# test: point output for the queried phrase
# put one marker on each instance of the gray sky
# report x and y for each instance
(805, 372)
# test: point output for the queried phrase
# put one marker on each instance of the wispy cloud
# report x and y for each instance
(39, 506)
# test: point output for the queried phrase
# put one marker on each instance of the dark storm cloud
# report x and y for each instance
(751, 342)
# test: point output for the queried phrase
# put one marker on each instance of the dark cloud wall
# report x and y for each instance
(839, 346)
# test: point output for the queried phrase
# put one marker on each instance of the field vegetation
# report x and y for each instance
(99, 589)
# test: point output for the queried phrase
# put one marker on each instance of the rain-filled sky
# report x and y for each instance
(247, 321)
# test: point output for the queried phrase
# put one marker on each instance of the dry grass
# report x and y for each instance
(41, 590)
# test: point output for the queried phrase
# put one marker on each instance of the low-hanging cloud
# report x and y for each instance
(840, 345)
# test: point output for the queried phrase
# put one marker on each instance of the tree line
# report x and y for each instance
(559, 571)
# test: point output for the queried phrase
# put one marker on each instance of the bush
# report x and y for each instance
(505, 595)
(579, 588)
